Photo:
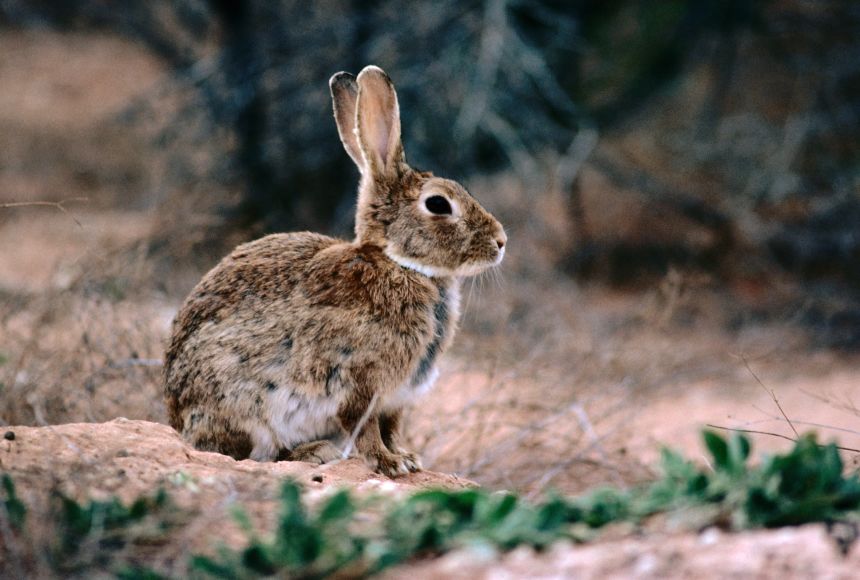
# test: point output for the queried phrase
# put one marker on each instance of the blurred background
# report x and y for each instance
(680, 183)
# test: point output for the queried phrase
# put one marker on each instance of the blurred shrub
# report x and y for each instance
(486, 85)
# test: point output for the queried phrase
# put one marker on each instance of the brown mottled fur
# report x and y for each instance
(292, 341)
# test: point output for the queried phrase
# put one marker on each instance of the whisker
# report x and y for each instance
(496, 275)
(469, 294)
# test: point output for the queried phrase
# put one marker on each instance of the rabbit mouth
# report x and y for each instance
(473, 269)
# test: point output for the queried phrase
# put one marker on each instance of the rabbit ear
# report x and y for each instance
(378, 122)
(344, 96)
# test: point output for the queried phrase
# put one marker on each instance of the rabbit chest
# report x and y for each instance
(445, 316)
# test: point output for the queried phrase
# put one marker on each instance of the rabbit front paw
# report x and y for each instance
(396, 464)
(413, 462)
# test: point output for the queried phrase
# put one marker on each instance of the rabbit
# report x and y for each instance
(297, 344)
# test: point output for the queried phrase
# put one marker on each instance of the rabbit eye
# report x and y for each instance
(438, 205)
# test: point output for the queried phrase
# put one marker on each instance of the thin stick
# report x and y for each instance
(772, 395)
(351, 443)
(60, 205)
(786, 437)
(797, 422)
(847, 406)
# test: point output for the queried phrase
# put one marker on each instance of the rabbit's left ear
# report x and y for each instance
(344, 97)
(378, 123)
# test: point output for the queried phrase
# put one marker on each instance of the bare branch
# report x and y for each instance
(355, 432)
(781, 436)
(772, 395)
(60, 205)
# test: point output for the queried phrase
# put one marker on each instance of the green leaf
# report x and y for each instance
(209, 566)
(338, 507)
(137, 573)
(256, 558)
(718, 449)
(15, 508)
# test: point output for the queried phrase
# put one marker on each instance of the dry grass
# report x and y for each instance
(88, 351)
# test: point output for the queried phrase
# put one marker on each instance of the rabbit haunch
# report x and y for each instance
(296, 341)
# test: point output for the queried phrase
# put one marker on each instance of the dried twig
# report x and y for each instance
(60, 205)
(805, 423)
(772, 396)
(847, 405)
(355, 432)
(781, 436)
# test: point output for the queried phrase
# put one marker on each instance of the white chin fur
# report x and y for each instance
(436, 271)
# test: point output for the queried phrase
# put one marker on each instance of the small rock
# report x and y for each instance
(710, 536)
(645, 564)
(9, 436)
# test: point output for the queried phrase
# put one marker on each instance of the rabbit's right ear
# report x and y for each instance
(344, 97)
(378, 123)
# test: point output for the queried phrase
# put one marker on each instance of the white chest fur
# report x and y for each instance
(296, 418)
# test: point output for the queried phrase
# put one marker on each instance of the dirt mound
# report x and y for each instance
(126, 458)
(130, 459)
(802, 552)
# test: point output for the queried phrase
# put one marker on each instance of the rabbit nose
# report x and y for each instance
(501, 238)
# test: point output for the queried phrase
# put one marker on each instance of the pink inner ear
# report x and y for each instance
(381, 135)
(378, 117)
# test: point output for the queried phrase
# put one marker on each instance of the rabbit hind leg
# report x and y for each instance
(318, 452)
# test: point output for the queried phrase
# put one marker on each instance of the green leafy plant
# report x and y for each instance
(92, 533)
(16, 511)
(805, 485)
(353, 537)
(304, 544)
(436, 521)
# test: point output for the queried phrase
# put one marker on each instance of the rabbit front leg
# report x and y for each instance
(389, 428)
(368, 441)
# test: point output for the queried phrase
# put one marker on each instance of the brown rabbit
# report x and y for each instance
(296, 341)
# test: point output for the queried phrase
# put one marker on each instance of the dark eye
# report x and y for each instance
(438, 205)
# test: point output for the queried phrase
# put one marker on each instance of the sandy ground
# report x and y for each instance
(804, 552)
(130, 459)
(676, 418)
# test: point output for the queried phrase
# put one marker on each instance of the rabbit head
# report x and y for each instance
(426, 223)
